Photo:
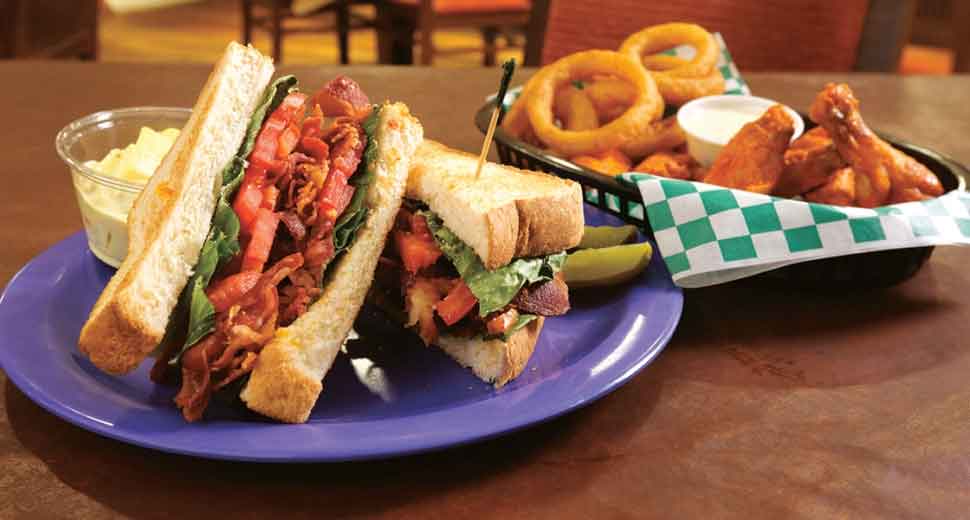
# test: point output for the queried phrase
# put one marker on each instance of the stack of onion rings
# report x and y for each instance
(598, 104)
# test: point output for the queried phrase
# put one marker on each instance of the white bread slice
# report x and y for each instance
(494, 361)
(503, 214)
(170, 219)
(288, 375)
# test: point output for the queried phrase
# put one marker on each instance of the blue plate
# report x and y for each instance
(384, 399)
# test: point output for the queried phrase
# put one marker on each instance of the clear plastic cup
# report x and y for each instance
(104, 201)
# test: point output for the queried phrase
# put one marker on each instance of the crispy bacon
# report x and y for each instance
(246, 327)
(242, 365)
(193, 396)
(296, 298)
(545, 298)
(342, 96)
(293, 225)
(319, 253)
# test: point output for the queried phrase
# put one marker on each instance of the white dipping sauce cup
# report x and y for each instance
(703, 143)
(104, 201)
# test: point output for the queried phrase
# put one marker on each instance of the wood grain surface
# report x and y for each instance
(766, 404)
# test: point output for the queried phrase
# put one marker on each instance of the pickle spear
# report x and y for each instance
(606, 236)
(606, 266)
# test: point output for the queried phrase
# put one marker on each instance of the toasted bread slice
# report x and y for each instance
(493, 360)
(170, 219)
(504, 213)
(288, 375)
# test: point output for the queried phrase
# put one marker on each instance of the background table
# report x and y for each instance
(767, 403)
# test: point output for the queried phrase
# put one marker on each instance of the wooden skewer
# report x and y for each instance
(509, 68)
(488, 142)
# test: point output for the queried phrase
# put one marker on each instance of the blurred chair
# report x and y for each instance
(944, 24)
(802, 35)
(42, 29)
(401, 20)
(277, 17)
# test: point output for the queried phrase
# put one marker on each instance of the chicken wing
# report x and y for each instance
(754, 158)
(809, 162)
(669, 164)
(839, 189)
(883, 175)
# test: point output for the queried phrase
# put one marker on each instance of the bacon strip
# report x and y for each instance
(293, 225)
(342, 96)
(247, 326)
(545, 299)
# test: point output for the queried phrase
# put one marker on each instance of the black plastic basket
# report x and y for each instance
(604, 192)
(880, 268)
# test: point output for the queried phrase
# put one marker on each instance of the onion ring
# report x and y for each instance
(662, 62)
(516, 121)
(665, 36)
(665, 134)
(697, 77)
(678, 91)
(627, 128)
(574, 109)
(611, 96)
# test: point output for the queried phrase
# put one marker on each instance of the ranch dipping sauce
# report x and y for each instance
(721, 123)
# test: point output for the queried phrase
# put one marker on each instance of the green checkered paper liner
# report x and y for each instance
(708, 234)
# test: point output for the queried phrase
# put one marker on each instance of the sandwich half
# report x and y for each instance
(254, 243)
(474, 264)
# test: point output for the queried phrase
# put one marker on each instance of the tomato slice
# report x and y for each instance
(260, 240)
(267, 150)
(416, 252)
(267, 142)
(226, 292)
(456, 304)
(248, 199)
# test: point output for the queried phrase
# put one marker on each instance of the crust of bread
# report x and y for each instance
(503, 214)
(494, 361)
(171, 217)
(288, 375)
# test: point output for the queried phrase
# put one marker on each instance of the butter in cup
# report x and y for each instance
(710, 122)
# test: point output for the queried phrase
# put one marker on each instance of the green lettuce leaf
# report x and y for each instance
(356, 213)
(221, 245)
(222, 242)
(494, 289)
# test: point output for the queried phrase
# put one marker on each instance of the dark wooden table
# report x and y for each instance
(766, 403)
